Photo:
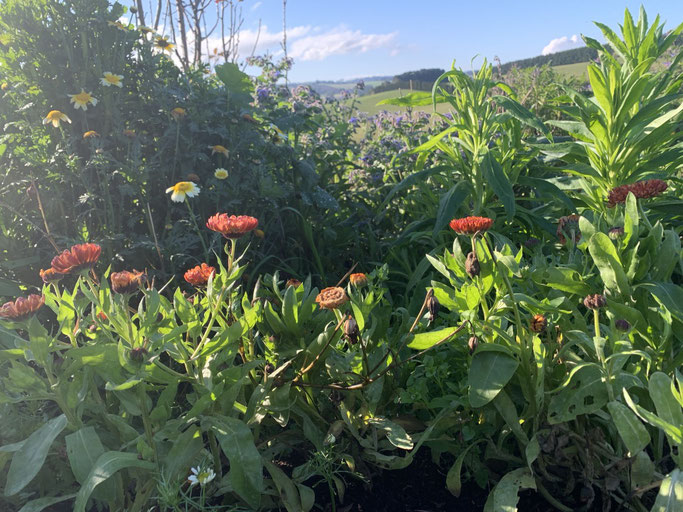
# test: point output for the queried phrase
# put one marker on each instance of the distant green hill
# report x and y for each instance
(574, 56)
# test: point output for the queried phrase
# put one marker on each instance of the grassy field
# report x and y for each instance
(578, 69)
(368, 104)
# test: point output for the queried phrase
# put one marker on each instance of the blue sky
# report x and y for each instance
(332, 40)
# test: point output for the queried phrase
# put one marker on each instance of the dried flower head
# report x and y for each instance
(231, 226)
(193, 177)
(470, 225)
(199, 275)
(472, 344)
(127, 281)
(595, 301)
(331, 298)
(358, 280)
(178, 113)
(433, 306)
(568, 225)
(472, 266)
(293, 282)
(78, 258)
(21, 308)
(538, 323)
(531, 242)
(138, 354)
(351, 330)
(641, 189)
(50, 276)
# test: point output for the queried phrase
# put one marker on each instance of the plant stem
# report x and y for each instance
(199, 233)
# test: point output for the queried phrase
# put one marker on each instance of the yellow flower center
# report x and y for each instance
(112, 79)
(83, 97)
(54, 114)
(183, 187)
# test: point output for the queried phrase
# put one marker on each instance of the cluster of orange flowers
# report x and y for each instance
(641, 189)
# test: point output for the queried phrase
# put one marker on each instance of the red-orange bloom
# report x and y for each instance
(78, 258)
(231, 226)
(568, 225)
(50, 275)
(358, 280)
(126, 281)
(21, 308)
(199, 275)
(641, 189)
(470, 225)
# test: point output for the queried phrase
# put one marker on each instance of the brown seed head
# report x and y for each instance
(351, 330)
(595, 301)
(331, 298)
(538, 323)
(127, 281)
(472, 266)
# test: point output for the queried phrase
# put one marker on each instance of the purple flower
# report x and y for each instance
(354, 121)
(263, 93)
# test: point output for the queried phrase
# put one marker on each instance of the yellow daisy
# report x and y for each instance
(218, 149)
(82, 99)
(4, 86)
(117, 24)
(181, 190)
(220, 173)
(109, 79)
(178, 113)
(54, 117)
(163, 44)
(90, 133)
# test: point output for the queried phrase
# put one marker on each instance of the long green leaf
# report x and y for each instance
(490, 371)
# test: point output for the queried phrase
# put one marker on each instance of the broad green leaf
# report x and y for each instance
(505, 494)
(669, 295)
(584, 393)
(499, 182)
(522, 114)
(28, 460)
(673, 432)
(449, 204)
(607, 260)
(561, 278)
(396, 434)
(83, 448)
(665, 402)
(428, 339)
(453, 480)
(506, 408)
(289, 494)
(630, 428)
(246, 466)
(491, 370)
(670, 496)
(43, 503)
(107, 465)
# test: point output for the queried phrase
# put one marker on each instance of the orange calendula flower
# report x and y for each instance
(641, 189)
(90, 133)
(231, 226)
(55, 117)
(293, 282)
(470, 225)
(218, 149)
(538, 323)
(108, 79)
(568, 225)
(358, 280)
(77, 259)
(331, 298)
(82, 99)
(163, 44)
(22, 308)
(50, 276)
(127, 281)
(181, 190)
(199, 275)
(178, 113)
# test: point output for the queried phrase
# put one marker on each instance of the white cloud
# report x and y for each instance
(338, 41)
(256, 6)
(561, 44)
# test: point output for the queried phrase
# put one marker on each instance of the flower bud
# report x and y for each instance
(472, 265)
(595, 301)
(358, 280)
(616, 233)
(473, 343)
(138, 354)
(622, 324)
(433, 306)
(531, 242)
(351, 330)
(538, 323)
